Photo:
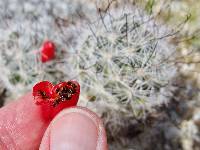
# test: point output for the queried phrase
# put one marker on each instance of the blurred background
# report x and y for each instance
(137, 62)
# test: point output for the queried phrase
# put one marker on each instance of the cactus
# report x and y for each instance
(124, 63)
(123, 60)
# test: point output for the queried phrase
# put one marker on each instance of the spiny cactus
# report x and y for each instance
(123, 62)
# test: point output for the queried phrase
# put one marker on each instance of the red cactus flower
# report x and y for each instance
(47, 51)
(55, 98)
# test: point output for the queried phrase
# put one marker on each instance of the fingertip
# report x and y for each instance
(75, 128)
(22, 120)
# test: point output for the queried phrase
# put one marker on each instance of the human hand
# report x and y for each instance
(23, 128)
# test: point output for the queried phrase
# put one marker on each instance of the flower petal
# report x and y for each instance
(42, 92)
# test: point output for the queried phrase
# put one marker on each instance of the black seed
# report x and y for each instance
(57, 90)
(42, 94)
(56, 102)
(70, 91)
(71, 84)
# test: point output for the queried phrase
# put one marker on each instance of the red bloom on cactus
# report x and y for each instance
(47, 51)
(53, 99)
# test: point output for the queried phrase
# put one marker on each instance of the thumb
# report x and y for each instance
(75, 128)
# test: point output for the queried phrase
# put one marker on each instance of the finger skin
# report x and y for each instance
(21, 125)
(75, 128)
